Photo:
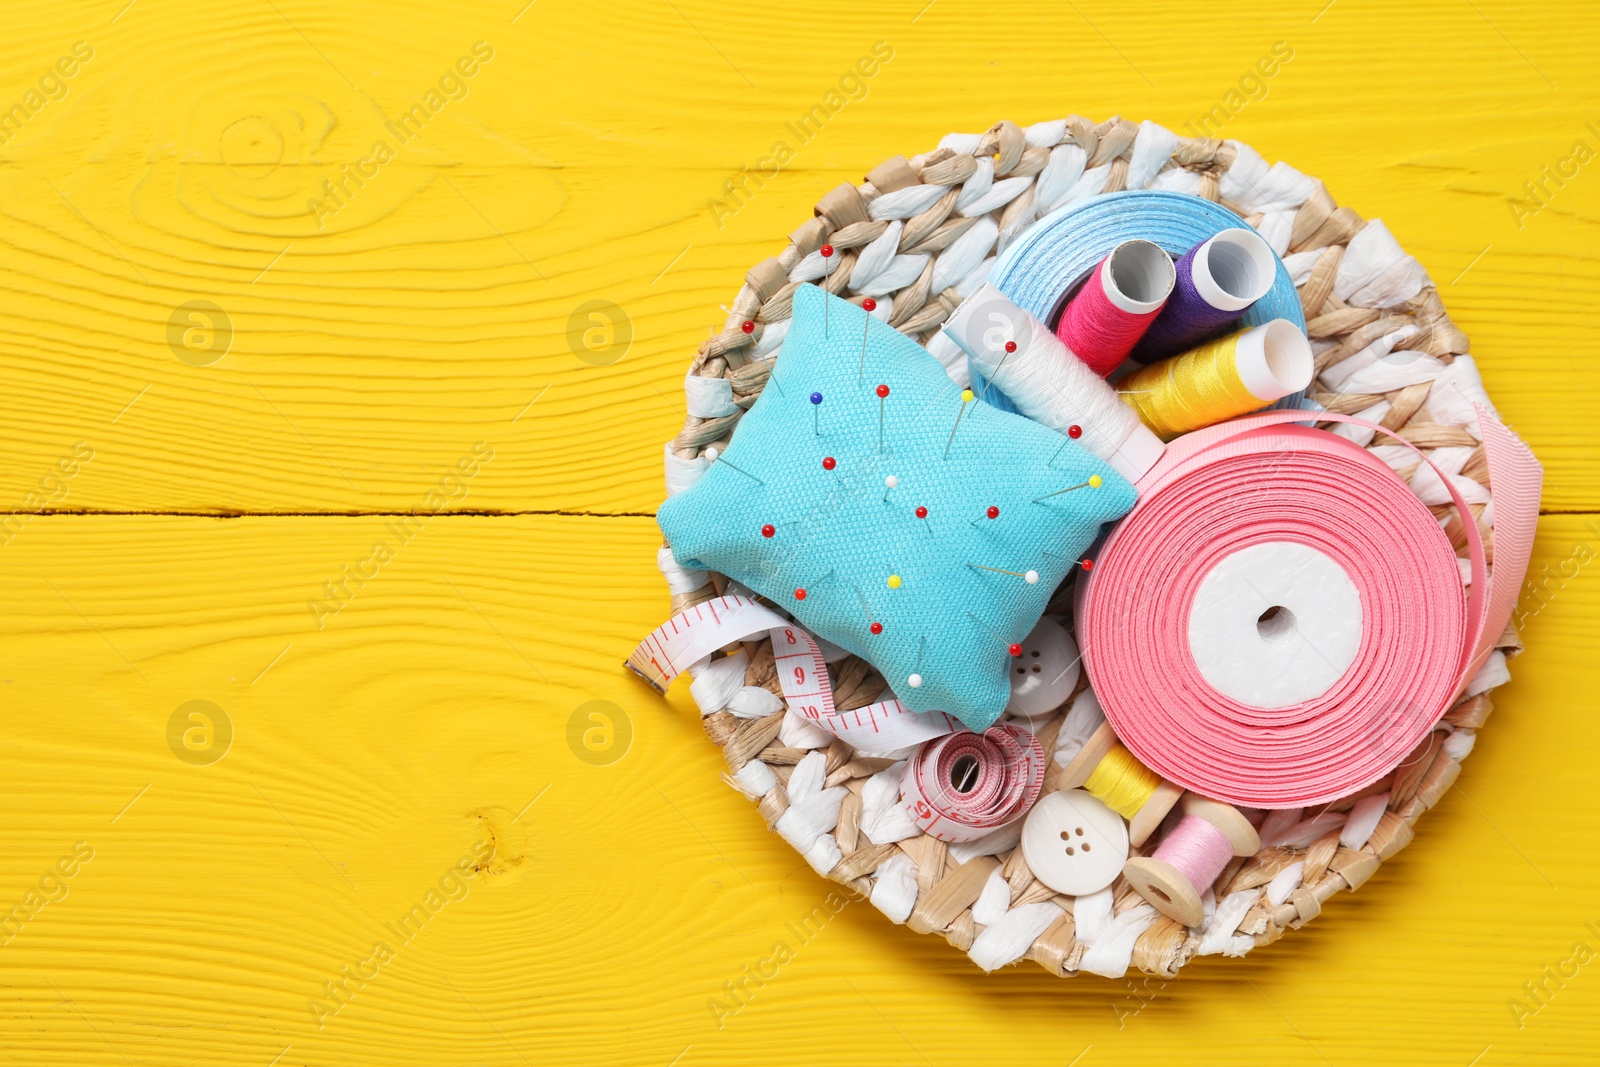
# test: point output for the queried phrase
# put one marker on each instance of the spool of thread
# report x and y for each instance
(1218, 280)
(1049, 259)
(965, 785)
(1213, 684)
(1221, 379)
(1049, 383)
(1190, 858)
(1115, 776)
(1117, 304)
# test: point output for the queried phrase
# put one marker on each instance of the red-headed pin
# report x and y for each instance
(868, 305)
(883, 394)
(1010, 347)
(827, 266)
(874, 626)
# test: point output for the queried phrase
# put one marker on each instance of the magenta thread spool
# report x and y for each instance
(1189, 859)
(1217, 281)
(1117, 304)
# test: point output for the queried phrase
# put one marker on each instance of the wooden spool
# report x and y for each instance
(1168, 888)
(1090, 756)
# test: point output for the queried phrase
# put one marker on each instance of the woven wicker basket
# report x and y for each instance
(1320, 229)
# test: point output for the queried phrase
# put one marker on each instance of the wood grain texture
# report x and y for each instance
(430, 313)
(369, 757)
(430, 310)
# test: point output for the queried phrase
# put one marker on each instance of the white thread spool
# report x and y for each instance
(1048, 383)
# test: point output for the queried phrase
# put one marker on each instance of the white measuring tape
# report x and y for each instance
(693, 635)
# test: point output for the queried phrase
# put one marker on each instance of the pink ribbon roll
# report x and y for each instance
(961, 787)
(1283, 511)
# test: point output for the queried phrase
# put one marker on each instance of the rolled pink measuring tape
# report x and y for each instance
(1279, 621)
(958, 785)
(966, 785)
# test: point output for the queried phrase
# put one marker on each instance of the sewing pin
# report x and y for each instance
(1074, 432)
(868, 305)
(991, 512)
(914, 680)
(966, 398)
(1094, 482)
(816, 414)
(1011, 346)
(827, 254)
(828, 463)
(889, 483)
(720, 458)
(874, 625)
(922, 513)
(1031, 577)
(883, 394)
(1011, 646)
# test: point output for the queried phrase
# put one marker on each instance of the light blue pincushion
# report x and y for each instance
(840, 534)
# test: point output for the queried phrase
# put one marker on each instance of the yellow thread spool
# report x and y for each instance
(1221, 379)
(1113, 775)
(1122, 782)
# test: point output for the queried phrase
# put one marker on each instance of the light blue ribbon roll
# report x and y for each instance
(1057, 252)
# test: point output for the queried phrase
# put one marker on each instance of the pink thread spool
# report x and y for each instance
(1191, 857)
(1117, 304)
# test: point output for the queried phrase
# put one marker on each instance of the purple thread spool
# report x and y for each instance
(1217, 282)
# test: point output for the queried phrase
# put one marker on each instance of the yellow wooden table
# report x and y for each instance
(277, 272)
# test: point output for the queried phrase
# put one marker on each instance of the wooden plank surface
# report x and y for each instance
(428, 312)
(368, 758)
(424, 331)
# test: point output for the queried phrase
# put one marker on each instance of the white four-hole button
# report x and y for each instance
(1073, 843)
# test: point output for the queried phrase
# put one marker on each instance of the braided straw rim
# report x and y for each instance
(843, 218)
